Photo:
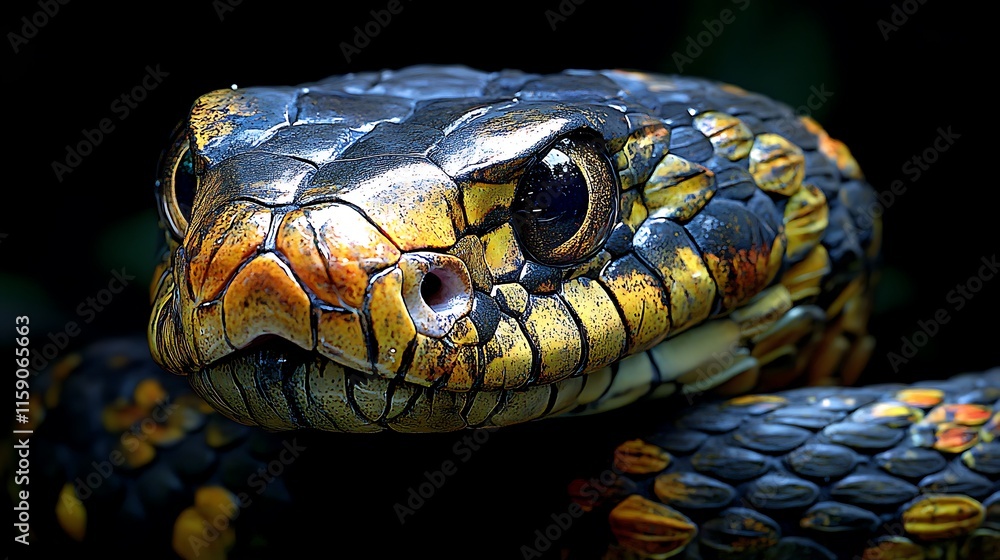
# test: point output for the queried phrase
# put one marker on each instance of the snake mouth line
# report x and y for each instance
(279, 385)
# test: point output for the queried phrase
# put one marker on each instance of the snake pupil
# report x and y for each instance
(552, 204)
(185, 183)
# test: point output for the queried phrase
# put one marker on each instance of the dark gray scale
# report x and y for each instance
(837, 517)
(980, 395)
(620, 241)
(317, 143)
(873, 490)
(812, 395)
(390, 138)
(677, 440)
(910, 462)
(259, 391)
(862, 437)
(738, 533)
(506, 307)
(923, 434)
(443, 114)
(781, 491)
(771, 438)
(689, 143)
(755, 124)
(732, 179)
(636, 90)
(746, 103)
(341, 173)
(853, 399)
(461, 153)
(575, 86)
(860, 203)
(430, 82)
(724, 100)
(808, 417)
(957, 479)
(540, 279)
(792, 129)
(984, 458)
(506, 83)
(675, 115)
(350, 111)
(745, 230)
(698, 492)
(355, 83)
(823, 173)
(257, 176)
(770, 214)
(711, 419)
(485, 315)
(841, 237)
(730, 463)
(676, 96)
(822, 461)
(725, 227)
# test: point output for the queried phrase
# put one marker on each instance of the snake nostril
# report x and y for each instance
(444, 290)
(437, 291)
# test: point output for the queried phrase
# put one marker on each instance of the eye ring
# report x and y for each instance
(566, 203)
(177, 186)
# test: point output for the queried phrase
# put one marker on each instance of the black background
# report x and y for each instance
(889, 99)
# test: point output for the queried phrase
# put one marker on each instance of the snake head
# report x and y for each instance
(439, 248)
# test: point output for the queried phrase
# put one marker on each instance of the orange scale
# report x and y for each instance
(921, 397)
(964, 414)
(953, 438)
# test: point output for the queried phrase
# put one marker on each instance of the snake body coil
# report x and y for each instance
(438, 248)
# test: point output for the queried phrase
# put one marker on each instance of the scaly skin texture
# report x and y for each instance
(724, 247)
(720, 242)
(126, 459)
(884, 472)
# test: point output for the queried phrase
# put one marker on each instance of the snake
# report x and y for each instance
(443, 249)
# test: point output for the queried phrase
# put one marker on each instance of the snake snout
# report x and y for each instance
(437, 291)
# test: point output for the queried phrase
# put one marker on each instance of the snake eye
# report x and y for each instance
(566, 202)
(177, 187)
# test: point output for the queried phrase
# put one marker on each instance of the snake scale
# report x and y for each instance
(438, 248)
